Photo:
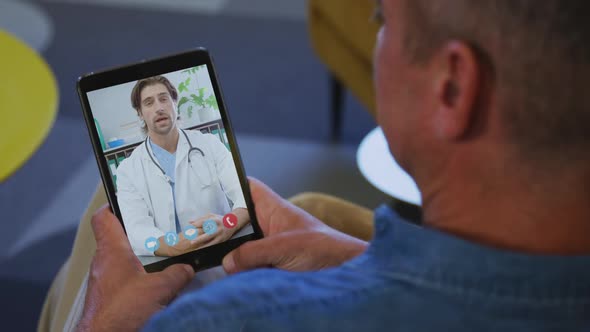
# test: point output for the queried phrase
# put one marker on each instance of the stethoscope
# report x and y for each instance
(191, 149)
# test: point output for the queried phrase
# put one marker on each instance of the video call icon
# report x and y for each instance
(190, 232)
(209, 227)
(171, 238)
(152, 244)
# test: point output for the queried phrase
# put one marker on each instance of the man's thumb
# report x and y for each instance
(252, 255)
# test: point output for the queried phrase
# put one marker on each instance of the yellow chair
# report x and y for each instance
(28, 103)
(343, 36)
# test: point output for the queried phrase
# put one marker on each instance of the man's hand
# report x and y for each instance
(121, 296)
(294, 240)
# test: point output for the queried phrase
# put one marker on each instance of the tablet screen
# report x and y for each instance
(170, 160)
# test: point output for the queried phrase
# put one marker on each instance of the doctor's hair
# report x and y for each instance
(142, 84)
(535, 54)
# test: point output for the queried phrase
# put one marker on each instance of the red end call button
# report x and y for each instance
(230, 220)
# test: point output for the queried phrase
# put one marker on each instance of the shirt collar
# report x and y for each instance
(429, 254)
(158, 150)
(181, 146)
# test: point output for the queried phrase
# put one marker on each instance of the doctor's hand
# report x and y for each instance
(121, 296)
(220, 234)
(294, 240)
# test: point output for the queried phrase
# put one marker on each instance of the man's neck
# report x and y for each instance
(167, 142)
(534, 212)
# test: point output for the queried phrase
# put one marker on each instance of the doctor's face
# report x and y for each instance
(158, 109)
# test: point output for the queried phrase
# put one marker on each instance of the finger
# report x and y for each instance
(266, 202)
(199, 230)
(261, 192)
(201, 240)
(255, 254)
(108, 231)
(171, 281)
(199, 222)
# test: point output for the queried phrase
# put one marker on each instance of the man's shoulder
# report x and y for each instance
(226, 301)
(247, 287)
(273, 294)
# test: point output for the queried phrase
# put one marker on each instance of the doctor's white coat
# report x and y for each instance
(207, 184)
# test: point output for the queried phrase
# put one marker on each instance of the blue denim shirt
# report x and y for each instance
(411, 278)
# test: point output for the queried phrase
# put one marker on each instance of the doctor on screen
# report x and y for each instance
(178, 190)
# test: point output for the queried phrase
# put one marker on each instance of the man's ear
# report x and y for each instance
(457, 87)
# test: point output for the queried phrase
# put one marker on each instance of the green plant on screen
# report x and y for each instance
(193, 95)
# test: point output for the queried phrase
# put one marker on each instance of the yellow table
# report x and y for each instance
(28, 103)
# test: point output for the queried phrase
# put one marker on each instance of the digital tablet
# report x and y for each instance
(168, 159)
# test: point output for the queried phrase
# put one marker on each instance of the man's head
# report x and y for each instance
(155, 99)
(459, 76)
